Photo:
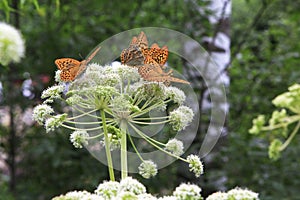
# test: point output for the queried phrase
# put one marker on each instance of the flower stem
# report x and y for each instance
(155, 145)
(107, 148)
(288, 141)
(124, 170)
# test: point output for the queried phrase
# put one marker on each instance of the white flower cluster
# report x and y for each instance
(52, 93)
(195, 165)
(110, 75)
(188, 191)
(128, 187)
(234, 194)
(175, 147)
(131, 189)
(148, 169)
(41, 112)
(55, 122)
(218, 196)
(175, 94)
(79, 138)
(181, 117)
(108, 189)
(12, 46)
(242, 194)
(78, 195)
(132, 185)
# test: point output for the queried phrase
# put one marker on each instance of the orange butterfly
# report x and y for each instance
(134, 55)
(149, 61)
(152, 71)
(71, 68)
(160, 55)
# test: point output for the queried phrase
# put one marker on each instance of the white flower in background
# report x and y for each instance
(78, 195)
(146, 197)
(242, 194)
(131, 185)
(125, 195)
(12, 47)
(218, 196)
(187, 191)
(168, 198)
(108, 189)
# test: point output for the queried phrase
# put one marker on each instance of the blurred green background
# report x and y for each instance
(265, 56)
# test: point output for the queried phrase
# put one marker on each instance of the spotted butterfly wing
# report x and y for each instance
(71, 68)
(160, 55)
(142, 42)
(134, 54)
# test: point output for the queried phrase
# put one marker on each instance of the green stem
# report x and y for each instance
(153, 144)
(134, 147)
(286, 121)
(82, 115)
(124, 170)
(152, 118)
(288, 141)
(80, 129)
(107, 148)
(149, 123)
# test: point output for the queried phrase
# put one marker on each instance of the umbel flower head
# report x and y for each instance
(188, 191)
(195, 165)
(234, 194)
(148, 169)
(11, 44)
(218, 196)
(242, 194)
(41, 112)
(111, 100)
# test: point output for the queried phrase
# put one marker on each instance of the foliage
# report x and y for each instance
(264, 67)
(280, 122)
(53, 29)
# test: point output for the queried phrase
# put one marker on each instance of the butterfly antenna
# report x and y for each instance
(80, 56)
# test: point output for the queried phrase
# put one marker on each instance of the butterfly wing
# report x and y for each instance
(160, 55)
(132, 56)
(142, 42)
(69, 68)
(133, 41)
(66, 63)
(151, 71)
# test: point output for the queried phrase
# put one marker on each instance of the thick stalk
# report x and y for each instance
(107, 148)
(124, 170)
